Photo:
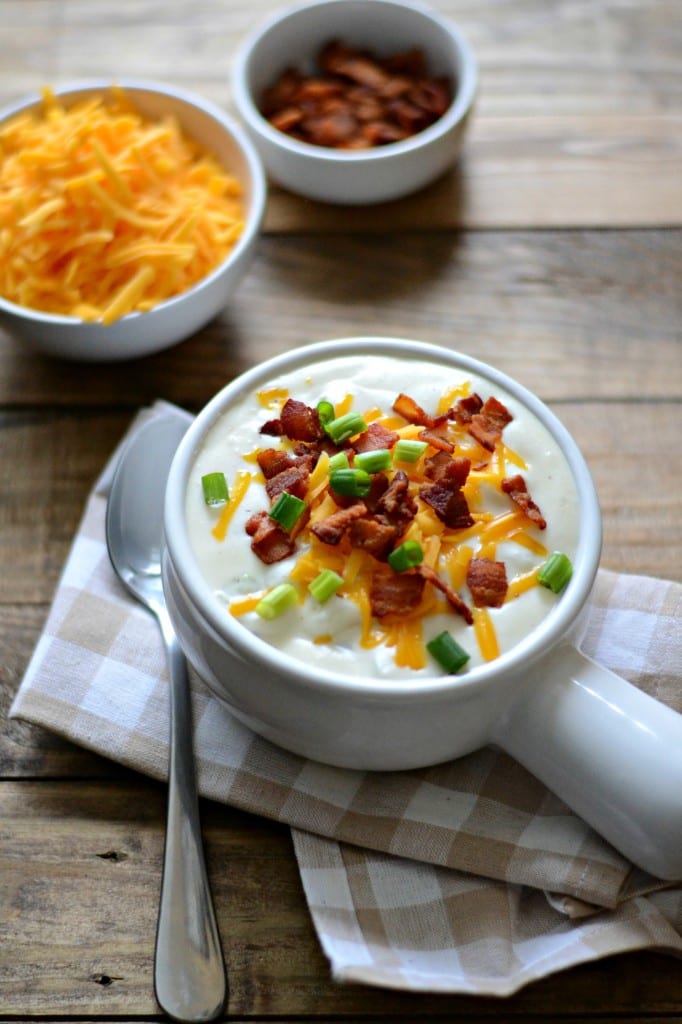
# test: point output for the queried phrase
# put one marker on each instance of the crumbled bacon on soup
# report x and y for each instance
(517, 489)
(487, 581)
(435, 486)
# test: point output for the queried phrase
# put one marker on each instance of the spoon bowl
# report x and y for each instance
(189, 973)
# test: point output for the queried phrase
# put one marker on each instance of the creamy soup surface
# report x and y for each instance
(337, 634)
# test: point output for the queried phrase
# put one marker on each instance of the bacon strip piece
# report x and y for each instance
(449, 503)
(487, 425)
(273, 428)
(442, 467)
(393, 593)
(268, 540)
(466, 408)
(331, 529)
(487, 581)
(396, 505)
(460, 606)
(272, 461)
(437, 441)
(375, 437)
(373, 536)
(516, 488)
(412, 411)
(300, 422)
(294, 479)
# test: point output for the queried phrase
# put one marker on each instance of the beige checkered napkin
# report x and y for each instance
(464, 877)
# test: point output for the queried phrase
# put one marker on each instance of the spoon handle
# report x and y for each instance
(189, 972)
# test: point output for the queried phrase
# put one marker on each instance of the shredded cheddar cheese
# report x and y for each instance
(103, 212)
(237, 492)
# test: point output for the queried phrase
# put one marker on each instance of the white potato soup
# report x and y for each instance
(383, 517)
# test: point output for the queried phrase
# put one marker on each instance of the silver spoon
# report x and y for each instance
(189, 973)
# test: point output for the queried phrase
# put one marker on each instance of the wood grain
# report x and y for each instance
(553, 250)
(571, 315)
(86, 897)
(577, 121)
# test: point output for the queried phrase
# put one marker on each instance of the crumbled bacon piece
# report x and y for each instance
(268, 540)
(355, 100)
(273, 428)
(331, 529)
(487, 425)
(300, 422)
(374, 438)
(487, 581)
(466, 408)
(517, 489)
(272, 461)
(396, 505)
(294, 479)
(373, 536)
(449, 503)
(444, 469)
(393, 593)
(460, 606)
(437, 441)
(377, 489)
(412, 411)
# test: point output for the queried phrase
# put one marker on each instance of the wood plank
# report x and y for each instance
(518, 172)
(81, 905)
(571, 315)
(577, 123)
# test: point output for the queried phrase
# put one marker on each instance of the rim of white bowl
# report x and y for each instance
(248, 109)
(258, 184)
(546, 635)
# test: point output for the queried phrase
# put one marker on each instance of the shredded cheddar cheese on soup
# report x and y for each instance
(104, 212)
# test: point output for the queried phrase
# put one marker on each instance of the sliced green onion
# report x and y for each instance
(325, 410)
(406, 556)
(555, 572)
(215, 489)
(447, 652)
(408, 451)
(286, 510)
(338, 461)
(350, 483)
(373, 461)
(343, 427)
(281, 597)
(325, 585)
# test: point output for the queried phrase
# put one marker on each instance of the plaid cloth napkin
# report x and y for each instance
(465, 877)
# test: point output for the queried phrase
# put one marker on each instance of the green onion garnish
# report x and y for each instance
(555, 572)
(406, 556)
(281, 597)
(325, 585)
(447, 652)
(350, 483)
(325, 411)
(348, 425)
(338, 461)
(286, 510)
(215, 489)
(408, 451)
(373, 461)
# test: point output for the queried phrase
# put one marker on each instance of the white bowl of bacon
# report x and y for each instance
(355, 102)
(131, 211)
(379, 554)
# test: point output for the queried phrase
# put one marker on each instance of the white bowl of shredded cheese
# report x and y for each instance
(130, 212)
(379, 554)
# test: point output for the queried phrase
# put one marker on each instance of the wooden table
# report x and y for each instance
(555, 251)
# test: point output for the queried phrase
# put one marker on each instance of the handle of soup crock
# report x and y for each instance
(608, 750)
